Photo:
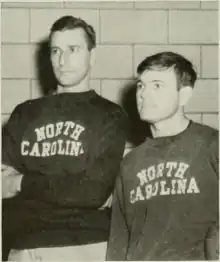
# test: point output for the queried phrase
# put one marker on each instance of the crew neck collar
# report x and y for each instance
(162, 139)
(85, 94)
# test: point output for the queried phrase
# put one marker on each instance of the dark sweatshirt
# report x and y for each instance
(166, 198)
(69, 148)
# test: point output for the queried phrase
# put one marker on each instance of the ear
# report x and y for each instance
(185, 93)
(92, 56)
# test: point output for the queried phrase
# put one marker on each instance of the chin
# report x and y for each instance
(67, 84)
(149, 118)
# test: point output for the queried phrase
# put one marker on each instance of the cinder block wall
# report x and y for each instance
(126, 33)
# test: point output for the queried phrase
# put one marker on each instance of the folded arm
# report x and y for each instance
(11, 178)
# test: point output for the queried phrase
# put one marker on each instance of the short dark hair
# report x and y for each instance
(71, 22)
(186, 75)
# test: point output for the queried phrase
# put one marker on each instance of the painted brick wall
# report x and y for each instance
(126, 33)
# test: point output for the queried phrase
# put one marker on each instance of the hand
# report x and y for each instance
(11, 181)
(107, 204)
(212, 244)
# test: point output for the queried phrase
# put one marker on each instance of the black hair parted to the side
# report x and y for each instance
(71, 22)
(186, 75)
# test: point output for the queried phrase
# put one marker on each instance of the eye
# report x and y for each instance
(157, 85)
(74, 49)
(139, 85)
(54, 51)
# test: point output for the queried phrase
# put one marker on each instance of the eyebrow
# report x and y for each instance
(54, 46)
(74, 45)
(155, 80)
(138, 81)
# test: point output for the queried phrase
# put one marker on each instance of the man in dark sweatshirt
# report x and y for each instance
(165, 205)
(61, 154)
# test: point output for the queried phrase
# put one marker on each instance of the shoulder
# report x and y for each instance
(108, 105)
(29, 104)
(132, 157)
(210, 141)
(205, 133)
(27, 110)
(109, 110)
(20, 109)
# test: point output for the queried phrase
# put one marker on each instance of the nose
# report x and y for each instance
(139, 96)
(146, 93)
(141, 92)
(62, 59)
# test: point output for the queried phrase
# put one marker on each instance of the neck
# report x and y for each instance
(171, 126)
(83, 86)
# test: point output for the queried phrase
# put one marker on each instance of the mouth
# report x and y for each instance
(66, 71)
(143, 106)
(140, 106)
(140, 103)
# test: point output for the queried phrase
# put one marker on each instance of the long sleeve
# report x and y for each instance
(214, 153)
(212, 238)
(89, 188)
(10, 140)
(118, 240)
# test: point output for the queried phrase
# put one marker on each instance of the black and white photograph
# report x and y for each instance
(110, 130)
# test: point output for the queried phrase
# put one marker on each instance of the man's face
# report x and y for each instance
(157, 95)
(70, 57)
